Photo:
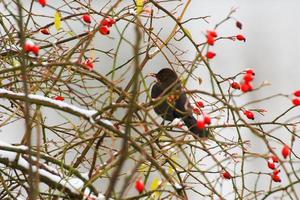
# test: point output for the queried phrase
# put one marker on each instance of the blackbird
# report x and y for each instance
(174, 102)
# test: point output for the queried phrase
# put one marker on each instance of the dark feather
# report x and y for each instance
(168, 84)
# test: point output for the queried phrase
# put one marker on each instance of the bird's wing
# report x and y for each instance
(163, 109)
(183, 106)
(156, 90)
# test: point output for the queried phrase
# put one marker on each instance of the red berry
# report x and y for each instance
(271, 164)
(248, 77)
(196, 111)
(45, 31)
(250, 71)
(239, 24)
(276, 171)
(42, 2)
(35, 49)
(285, 151)
(212, 33)
(235, 85)
(201, 124)
(226, 175)
(207, 119)
(246, 87)
(249, 114)
(104, 30)
(296, 102)
(240, 38)
(86, 18)
(297, 93)
(139, 186)
(108, 22)
(28, 46)
(210, 55)
(88, 64)
(274, 158)
(200, 104)
(59, 98)
(210, 40)
(276, 178)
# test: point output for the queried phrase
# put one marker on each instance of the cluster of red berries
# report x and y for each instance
(196, 109)
(275, 176)
(105, 25)
(29, 46)
(211, 37)
(271, 162)
(296, 100)
(210, 40)
(285, 152)
(205, 120)
(245, 84)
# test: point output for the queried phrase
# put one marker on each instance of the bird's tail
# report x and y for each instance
(191, 123)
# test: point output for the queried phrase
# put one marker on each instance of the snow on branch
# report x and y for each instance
(55, 104)
(48, 175)
(41, 100)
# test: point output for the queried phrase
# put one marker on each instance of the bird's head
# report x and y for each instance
(166, 76)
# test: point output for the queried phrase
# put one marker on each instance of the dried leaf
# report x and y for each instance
(239, 24)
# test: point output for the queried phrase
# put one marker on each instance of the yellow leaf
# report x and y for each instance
(153, 186)
(155, 183)
(139, 6)
(57, 20)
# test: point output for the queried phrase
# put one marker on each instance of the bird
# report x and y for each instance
(174, 102)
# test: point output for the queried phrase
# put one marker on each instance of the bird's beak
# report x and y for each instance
(152, 74)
